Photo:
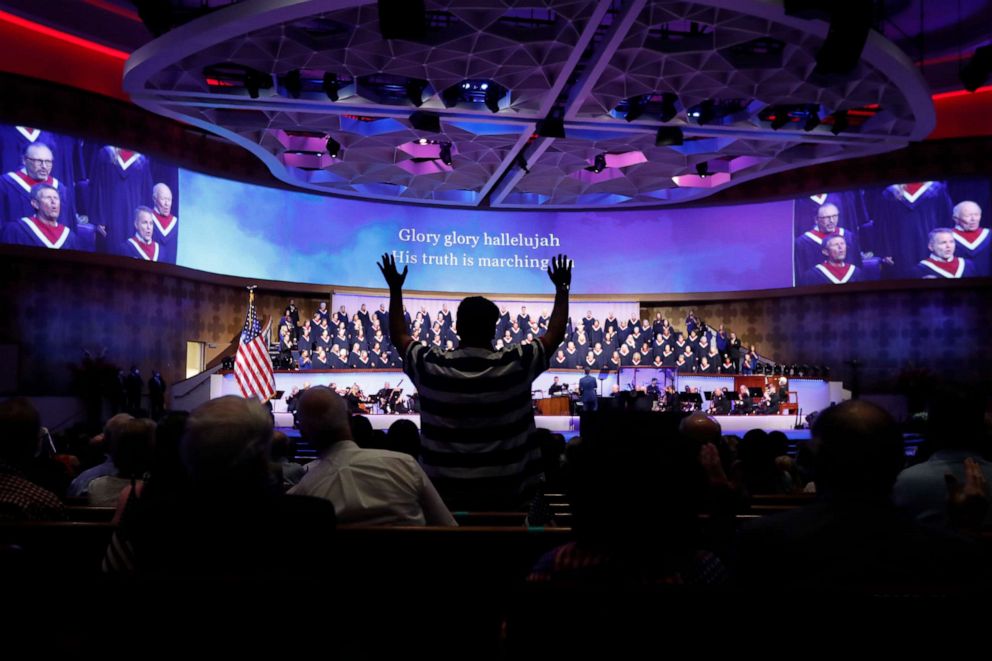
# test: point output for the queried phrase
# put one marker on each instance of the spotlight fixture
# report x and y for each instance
(551, 127)
(976, 72)
(636, 106)
(669, 136)
(445, 153)
(521, 162)
(599, 163)
(331, 86)
(293, 83)
(333, 147)
(703, 169)
(705, 113)
(423, 120)
(255, 81)
(415, 92)
(811, 122)
(668, 109)
(779, 120)
(840, 122)
(493, 95)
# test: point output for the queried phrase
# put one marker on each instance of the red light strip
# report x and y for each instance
(950, 95)
(62, 36)
(115, 9)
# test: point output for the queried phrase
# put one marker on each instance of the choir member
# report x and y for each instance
(904, 215)
(835, 270)
(142, 245)
(942, 263)
(626, 355)
(705, 367)
(973, 241)
(36, 167)
(560, 361)
(165, 222)
(320, 361)
(42, 228)
(668, 357)
(120, 180)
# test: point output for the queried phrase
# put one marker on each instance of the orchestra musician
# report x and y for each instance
(387, 397)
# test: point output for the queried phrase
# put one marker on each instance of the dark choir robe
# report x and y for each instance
(341, 339)
(523, 320)
(305, 342)
(657, 362)
(318, 363)
(936, 268)
(406, 320)
(703, 347)
(669, 359)
(516, 335)
(33, 232)
(595, 335)
(715, 361)
(560, 362)
(626, 357)
(138, 249)
(447, 319)
(809, 249)
(587, 323)
(120, 181)
(535, 330)
(636, 361)
(610, 344)
(830, 274)
(503, 324)
(679, 347)
(542, 321)
(903, 219)
(573, 358)
(706, 368)
(850, 207)
(165, 230)
(379, 362)
(614, 363)
(693, 342)
(683, 366)
(383, 318)
(582, 346)
(15, 198)
(365, 318)
(975, 247)
(690, 358)
(638, 336)
(727, 368)
(600, 359)
(590, 362)
(611, 322)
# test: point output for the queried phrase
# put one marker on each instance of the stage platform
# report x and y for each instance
(568, 425)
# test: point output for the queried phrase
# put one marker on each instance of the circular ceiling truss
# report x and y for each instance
(528, 104)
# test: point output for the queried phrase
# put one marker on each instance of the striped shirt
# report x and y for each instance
(475, 419)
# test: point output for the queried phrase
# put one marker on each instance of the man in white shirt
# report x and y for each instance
(376, 487)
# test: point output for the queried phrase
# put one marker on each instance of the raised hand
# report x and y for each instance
(394, 278)
(560, 272)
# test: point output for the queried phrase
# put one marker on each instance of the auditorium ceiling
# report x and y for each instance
(541, 104)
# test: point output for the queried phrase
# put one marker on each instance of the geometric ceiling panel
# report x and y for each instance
(705, 93)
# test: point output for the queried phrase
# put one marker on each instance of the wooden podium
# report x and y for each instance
(552, 406)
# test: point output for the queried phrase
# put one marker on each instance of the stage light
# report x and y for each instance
(445, 155)
(415, 92)
(331, 86)
(976, 72)
(598, 163)
(703, 169)
(551, 127)
(484, 86)
(255, 81)
(333, 147)
(423, 120)
(493, 95)
(293, 83)
(668, 108)
(840, 122)
(636, 105)
(779, 120)
(669, 136)
(521, 163)
(811, 122)
(706, 112)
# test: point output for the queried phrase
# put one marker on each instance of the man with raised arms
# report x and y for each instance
(476, 411)
(973, 241)
(166, 223)
(835, 270)
(42, 229)
(142, 245)
(942, 263)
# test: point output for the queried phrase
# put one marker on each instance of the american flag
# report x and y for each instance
(252, 366)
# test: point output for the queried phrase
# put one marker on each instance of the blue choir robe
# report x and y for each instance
(824, 274)
(626, 358)
(503, 324)
(29, 232)
(119, 183)
(611, 322)
(560, 364)
(573, 358)
(305, 342)
(903, 220)
(135, 249)
(587, 323)
(15, 198)
(975, 247)
(850, 207)
(958, 267)
(809, 249)
(318, 364)
(669, 359)
(683, 366)
(165, 230)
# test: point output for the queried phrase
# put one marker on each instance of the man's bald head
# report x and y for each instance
(700, 428)
(859, 451)
(323, 417)
(227, 441)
